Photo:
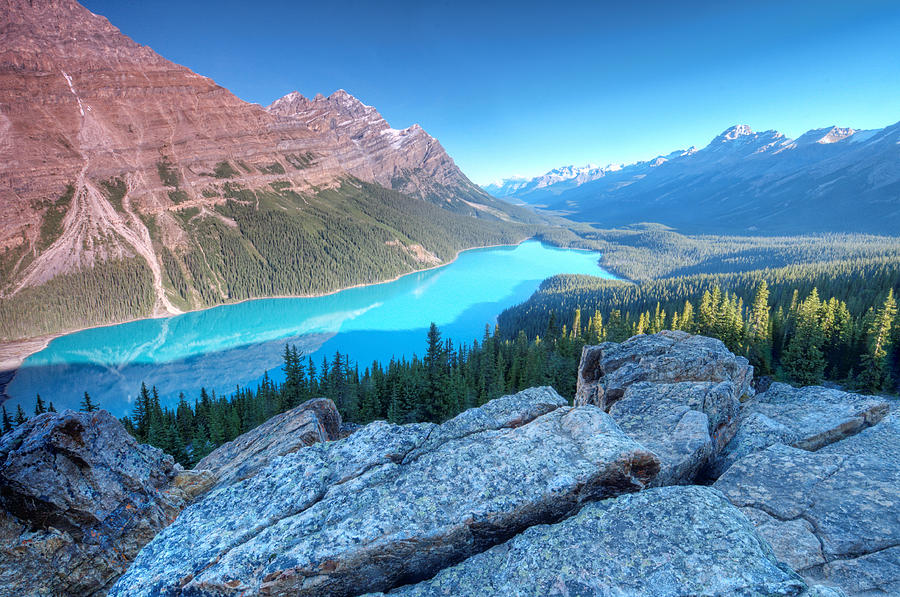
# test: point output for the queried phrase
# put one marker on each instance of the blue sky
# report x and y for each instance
(522, 87)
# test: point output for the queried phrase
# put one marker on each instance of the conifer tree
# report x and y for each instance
(686, 321)
(873, 375)
(87, 405)
(576, 325)
(437, 397)
(39, 407)
(6, 425)
(20, 417)
(804, 362)
(759, 333)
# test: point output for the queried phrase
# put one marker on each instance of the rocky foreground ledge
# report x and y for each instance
(668, 477)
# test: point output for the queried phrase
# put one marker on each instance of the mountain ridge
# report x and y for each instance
(743, 181)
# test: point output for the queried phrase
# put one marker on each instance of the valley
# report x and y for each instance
(255, 341)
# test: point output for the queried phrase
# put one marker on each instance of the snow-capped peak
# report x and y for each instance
(836, 134)
(738, 130)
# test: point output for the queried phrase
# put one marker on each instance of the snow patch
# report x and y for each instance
(72, 89)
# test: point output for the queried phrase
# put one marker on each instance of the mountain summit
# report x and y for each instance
(408, 160)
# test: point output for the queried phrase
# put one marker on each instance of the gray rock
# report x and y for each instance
(393, 504)
(847, 494)
(685, 424)
(313, 421)
(79, 498)
(872, 574)
(823, 591)
(607, 370)
(809, 418)
(671, 541)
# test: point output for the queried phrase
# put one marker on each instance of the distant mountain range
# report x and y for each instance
(111, 154)
(827, 180)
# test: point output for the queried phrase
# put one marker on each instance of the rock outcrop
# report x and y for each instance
(79, 498)
(685, 424)
(831, 514)
(672, 541)
(524, 495)
(809, 418)
(316, 420)
(391, 504)
(606, 371)
(676, 394)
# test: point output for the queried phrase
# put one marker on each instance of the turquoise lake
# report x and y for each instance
(231, 345)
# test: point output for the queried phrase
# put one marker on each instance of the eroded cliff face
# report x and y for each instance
(109, 151)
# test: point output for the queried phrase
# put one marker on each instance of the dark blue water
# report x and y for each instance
(233, 345)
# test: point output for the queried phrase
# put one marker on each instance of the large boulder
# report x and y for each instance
(676, 394)
(808, 418)
(79, 497)
(685, 424)
(316, 420)
(831, 514)
(665, 542)
(606, 370)
(393, 504)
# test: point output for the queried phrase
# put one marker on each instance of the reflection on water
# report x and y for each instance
(233, 345)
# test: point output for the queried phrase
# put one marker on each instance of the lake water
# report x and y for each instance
(231, 345)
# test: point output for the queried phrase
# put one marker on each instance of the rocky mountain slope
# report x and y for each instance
(830, 179)
(525, 495)
(112, 155)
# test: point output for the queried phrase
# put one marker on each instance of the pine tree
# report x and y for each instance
(87, 405)
(39, 407)
(7, 425)
(759, 331)
(686, 321)
(141, 413)
(873, 375)
(596, 334)
(20, 417)
(437, 397)
(803, 361)
(51, 408)
(576, 325)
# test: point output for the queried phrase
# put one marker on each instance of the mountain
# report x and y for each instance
(408, 160)
(827, 180)
(131, 186)
(551, 183)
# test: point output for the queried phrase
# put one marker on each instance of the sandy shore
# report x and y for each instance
(12, 354)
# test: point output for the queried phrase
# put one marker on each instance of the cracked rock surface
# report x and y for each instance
(393, 504)
(79, 498)
(676, 394)
(606, 370)
(809, 418)
(833, 514)
(666, 542)
(316, 420)
(685, 424)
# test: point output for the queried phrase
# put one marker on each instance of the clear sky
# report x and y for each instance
(522, 87)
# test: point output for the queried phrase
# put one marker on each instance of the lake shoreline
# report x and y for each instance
(14, 353)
